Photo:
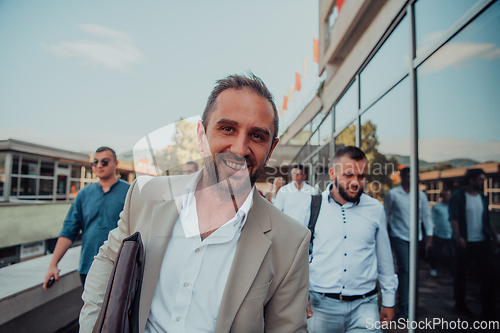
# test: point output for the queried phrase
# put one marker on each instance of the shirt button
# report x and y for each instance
(186, 284)
(343, 287)
(178, 318)
(345, 270)
(345, 237)
(345, 254)
(197, 250)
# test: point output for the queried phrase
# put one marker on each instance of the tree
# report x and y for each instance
(183, 149)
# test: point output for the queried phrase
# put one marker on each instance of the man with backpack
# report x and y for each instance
(349, 252)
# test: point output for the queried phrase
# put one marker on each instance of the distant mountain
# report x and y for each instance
(457, 162)
(127, 156)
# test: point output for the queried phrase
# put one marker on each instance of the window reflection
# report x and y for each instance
(325, 129)
(46, 186)
(458, 108)
(2, 162)
(347, 108)
(434, 18)
(385, 139)
(347, 137)
(390, 61)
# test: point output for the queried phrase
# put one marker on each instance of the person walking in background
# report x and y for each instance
(474, 233)
(190, 167)
(442, 232)
(397, 208)
(278, 182)
(294, 198)
(351, 251)
(95, 211)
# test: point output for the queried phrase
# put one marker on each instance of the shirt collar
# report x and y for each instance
(189, 207)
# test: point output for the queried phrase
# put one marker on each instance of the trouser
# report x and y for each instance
(333, 315)
(480, 253)
(402, 251)
(437, 246)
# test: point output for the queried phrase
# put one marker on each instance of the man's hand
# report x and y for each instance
(53, 271)
(309, 311)
(386, 314)
(428, 243)
(462, 244)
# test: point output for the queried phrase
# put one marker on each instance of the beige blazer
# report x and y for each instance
(267, 287)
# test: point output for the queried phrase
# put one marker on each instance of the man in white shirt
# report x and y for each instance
(294, 198)
(218, 256)
(351, 251)
(474, 234)
(397, 209)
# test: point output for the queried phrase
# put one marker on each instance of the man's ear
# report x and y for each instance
(200, 135)
(331, 173)
(273, 146)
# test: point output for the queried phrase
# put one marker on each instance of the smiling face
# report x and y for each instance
(237, 140)
(349, 177)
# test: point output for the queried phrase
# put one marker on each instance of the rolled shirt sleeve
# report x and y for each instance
(73, 223)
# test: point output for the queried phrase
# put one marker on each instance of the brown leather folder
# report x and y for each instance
(120, 310)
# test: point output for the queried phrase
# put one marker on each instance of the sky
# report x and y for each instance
(79, 75)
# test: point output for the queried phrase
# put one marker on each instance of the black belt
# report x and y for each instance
(350, 298)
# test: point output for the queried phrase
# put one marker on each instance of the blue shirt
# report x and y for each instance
(441, 219)
(95, 213)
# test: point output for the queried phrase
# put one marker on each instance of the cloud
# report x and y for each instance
(456, 54)
(439, 149)
(118, 53)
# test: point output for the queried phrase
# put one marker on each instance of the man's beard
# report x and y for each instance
(236, 184)
(343, 192)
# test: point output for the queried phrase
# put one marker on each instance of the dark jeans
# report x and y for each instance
(82, 278)
(437, 246)
(479, 253)
(402, 251)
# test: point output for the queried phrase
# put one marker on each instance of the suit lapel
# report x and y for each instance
(162, 223)
(250, 252)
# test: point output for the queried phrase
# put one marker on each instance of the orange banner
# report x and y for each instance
(339, 4)
(297, 81)
(285, 102)
(316, 50)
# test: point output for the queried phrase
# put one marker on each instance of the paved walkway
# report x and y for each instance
(436, 299)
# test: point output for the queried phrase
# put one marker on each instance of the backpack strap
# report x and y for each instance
(315, 207)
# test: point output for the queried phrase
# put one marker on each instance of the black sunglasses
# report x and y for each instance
(104, 162)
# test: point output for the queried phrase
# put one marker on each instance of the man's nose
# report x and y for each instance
(240, 145)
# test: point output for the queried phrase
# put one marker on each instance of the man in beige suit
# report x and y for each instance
(218, 256)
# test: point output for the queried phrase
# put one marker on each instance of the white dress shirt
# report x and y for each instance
(397, 209)
(194, 273)
(294, 202)
(474, 217)
(351, 250)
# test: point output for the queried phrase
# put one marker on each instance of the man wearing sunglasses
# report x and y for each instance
(94, 212)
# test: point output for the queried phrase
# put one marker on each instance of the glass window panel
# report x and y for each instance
(301, 138)
(347, 108)
(15, 164)
(347, 137)
(385, 139)
(46, 186)
(325, 129)
(458, 101)
(47, 168)
(13, 186)
(28, 186)
(321, 166)
(61, 184)
(433, 18)
(2, 162)
(76, 171)
(74, 188)
(30, 165)
(390, 61)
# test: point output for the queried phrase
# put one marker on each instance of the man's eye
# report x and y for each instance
(257, 136)
(227, 129)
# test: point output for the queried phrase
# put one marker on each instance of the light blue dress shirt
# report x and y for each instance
(351, 250)
(441, 220)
